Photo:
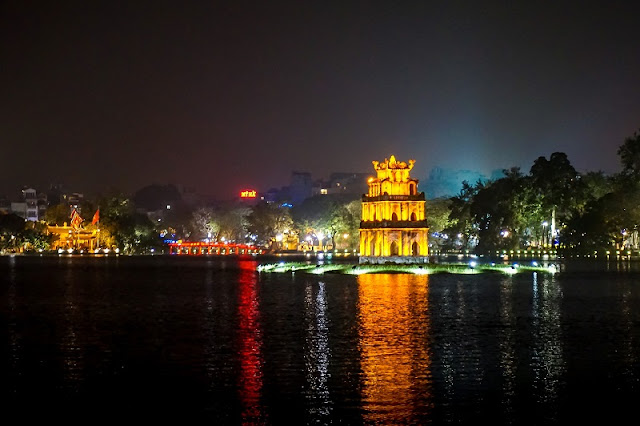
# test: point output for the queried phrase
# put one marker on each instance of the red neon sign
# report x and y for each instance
(248, 193)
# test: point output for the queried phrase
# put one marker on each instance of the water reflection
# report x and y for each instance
(507, 345)
(459, 349)
(72, 352)
(394, 348)
(251, 357)
(317, 354)
(629, 357)
(12, 323)
(218, 314)
(547, 359)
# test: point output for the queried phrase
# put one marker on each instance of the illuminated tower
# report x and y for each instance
(393, 226)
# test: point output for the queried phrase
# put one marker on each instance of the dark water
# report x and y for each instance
(199, 340)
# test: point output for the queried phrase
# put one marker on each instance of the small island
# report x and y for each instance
(472, 267)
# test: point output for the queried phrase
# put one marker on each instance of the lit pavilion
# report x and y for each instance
(393, 226)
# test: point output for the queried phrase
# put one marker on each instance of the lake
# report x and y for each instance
(185, 339)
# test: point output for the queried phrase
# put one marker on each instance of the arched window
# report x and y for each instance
(393, 250)
(394, 216)
(415, 249)
(413, 216)
(412, 188)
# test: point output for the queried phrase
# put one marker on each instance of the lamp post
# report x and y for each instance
(320, 236)
(545, 238)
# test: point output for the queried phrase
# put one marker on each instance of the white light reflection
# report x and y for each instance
(507, 348)
(627, 342)
(547, 359)
(72, 351)
(12, 323)
(317, 354)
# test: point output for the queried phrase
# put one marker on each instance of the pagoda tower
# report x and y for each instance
(393, 226)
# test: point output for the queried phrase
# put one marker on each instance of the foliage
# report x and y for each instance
(205, 224)
(592, 211)
(233, 224)
(266, 221)
(460, 219)
(18, 235)
(58, 214)
(124, 228)
(629, 153)
(325, 217)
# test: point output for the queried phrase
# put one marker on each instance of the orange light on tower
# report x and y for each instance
(393, 223)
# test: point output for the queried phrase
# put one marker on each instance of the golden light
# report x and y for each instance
(397, 229)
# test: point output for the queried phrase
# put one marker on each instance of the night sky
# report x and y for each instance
(218, 96)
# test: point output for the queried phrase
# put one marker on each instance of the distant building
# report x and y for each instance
(320, 187)
(5, 205)
(272, 195)
(55, 194)
(27, 206)
(300, 187)
(73, 199)
(43, 204)
(348, 183)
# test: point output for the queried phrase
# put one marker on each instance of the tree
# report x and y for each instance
(266, 221)
(206, 223)
(233, 224)
(57, 214)
(11, 228)
(561, 188)
(340, 223)
(493, 211)
(35, 237)
(500, 214)
(460, 218)
(324, 216)
(596, 185)
(629, 153)
(122, 227)
(437, 215)
(354, 207)
(605, 223)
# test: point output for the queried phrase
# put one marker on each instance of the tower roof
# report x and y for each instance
(392, 163)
